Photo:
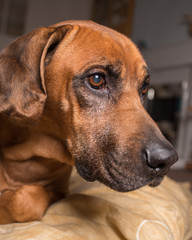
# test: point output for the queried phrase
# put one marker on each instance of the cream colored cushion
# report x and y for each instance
(94, 212)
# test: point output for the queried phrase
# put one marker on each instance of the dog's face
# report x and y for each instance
(104, 80)
(95, 83)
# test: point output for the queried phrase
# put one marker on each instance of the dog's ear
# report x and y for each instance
(22, 87)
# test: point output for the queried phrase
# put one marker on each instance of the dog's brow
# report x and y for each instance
(147, 70)
(111, 68)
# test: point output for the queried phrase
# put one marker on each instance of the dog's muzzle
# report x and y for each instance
(121, 172)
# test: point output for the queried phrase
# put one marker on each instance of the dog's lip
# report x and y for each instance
(156, 181)
(85, 173)
(155, 173)
(87, 177)
(158, 178)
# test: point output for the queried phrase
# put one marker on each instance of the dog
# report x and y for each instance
(72, 95)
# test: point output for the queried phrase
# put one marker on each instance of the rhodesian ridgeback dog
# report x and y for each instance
(72, 95)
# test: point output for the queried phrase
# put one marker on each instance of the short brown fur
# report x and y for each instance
(52, 119)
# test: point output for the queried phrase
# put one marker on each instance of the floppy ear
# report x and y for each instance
(22, 87)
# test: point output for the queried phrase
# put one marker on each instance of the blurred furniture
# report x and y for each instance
(172, 65)
(116, 14)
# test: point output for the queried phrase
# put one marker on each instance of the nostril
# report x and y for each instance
(161, 166)
(155, 163)
(160, 158)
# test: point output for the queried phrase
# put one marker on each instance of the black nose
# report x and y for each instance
(160, 156)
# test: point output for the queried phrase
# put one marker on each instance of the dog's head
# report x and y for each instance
(91, 82)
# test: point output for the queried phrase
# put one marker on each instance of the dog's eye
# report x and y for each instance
(96, 80)
(144, 87)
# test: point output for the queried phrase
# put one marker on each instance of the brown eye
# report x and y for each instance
(145, 87)
(96, 80)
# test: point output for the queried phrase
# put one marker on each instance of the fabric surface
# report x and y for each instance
(94, 212)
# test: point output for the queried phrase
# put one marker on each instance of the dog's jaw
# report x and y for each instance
(121, 173)
(120, 182)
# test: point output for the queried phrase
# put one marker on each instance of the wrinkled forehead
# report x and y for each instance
(92, 44)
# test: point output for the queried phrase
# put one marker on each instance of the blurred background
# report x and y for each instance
(162, 31)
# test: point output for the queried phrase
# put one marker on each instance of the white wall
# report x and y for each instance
(160, 22)
(48, 12)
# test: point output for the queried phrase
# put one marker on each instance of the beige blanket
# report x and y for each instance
(94, 212)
